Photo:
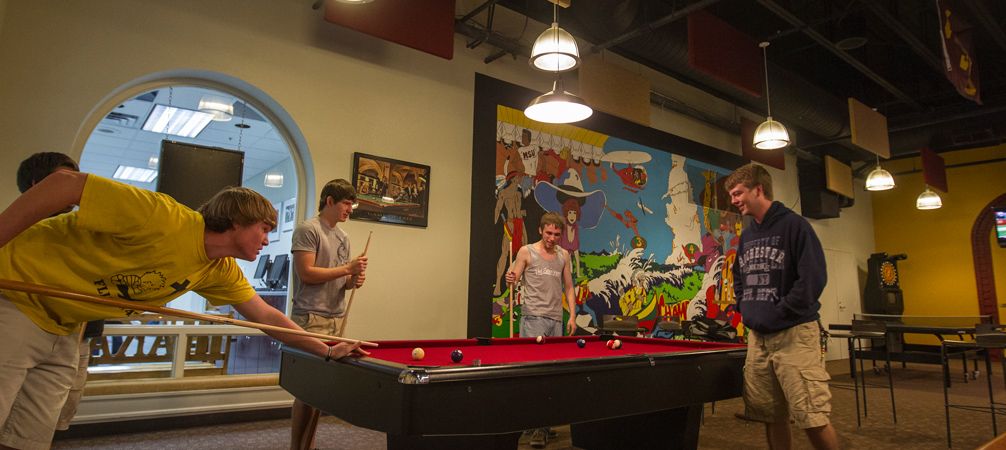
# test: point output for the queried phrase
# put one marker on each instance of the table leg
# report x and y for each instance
(945, 362)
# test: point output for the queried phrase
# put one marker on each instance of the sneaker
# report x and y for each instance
(552, 434)
(539, 438)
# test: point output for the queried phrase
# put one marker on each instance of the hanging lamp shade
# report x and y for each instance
(879, 180)
(558, 106)
(928, 200)
(222, 108)
(555, 50)
(273, 180)
(770, 135)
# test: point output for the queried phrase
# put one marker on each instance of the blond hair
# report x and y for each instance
(751, 175)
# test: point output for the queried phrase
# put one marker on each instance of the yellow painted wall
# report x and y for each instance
(938, 276)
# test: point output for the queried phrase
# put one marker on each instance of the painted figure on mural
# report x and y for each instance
(508, 200)
(579, 209)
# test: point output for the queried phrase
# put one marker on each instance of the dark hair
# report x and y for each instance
(237, 206)
(41, 165)
(339, 190)
(751, 175)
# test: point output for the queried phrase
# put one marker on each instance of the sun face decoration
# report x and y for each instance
(888, 273)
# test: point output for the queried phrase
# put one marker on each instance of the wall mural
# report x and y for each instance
(649, 231)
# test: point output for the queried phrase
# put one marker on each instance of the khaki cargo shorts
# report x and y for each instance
(318, 324)
(784, 376)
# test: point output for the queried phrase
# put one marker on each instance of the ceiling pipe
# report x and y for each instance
(649, 27)
(795, 101)
(842, 54)
(981, 13)
(894, 25)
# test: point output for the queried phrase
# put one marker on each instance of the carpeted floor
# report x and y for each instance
(919, 397)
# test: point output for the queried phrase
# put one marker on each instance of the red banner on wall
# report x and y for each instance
(957, 56)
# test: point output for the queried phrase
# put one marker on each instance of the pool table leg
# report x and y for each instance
(669, 429)
(506, 441)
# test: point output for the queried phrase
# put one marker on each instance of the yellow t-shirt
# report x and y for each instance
(123, 242)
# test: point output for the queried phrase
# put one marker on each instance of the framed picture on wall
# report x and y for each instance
(389, 190)
(289, 214)
(274, 234)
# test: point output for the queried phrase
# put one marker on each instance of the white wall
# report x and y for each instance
(346, 92)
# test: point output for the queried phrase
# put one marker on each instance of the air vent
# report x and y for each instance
(122, 120)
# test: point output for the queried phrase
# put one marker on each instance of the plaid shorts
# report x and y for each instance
(784, 376)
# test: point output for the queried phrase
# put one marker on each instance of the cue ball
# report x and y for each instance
(418, 354)
(614, 344)
(581, 343)
(456, 356)
(540, 339)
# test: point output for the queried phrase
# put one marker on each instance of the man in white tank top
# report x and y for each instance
(547, 277)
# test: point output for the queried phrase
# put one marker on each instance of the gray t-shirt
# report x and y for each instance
(330, 246)
(542, 295)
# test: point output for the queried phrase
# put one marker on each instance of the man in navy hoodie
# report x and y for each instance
(778, 278)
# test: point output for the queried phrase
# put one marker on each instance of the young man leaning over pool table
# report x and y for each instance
(125, 243)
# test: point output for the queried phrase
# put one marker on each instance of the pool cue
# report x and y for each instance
(53, 292)
(510, 251)
(345, 319)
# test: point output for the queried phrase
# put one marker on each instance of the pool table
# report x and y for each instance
(648, 393)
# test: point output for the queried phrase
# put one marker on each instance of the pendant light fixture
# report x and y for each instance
(879, 179)
(555, 50)
(222, 108)
(928, 200)
(558, 106)
(770, 134)
(273, 180)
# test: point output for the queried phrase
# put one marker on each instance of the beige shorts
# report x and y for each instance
(318, 324)
(784, 376)
(35, 377)
(77, 390)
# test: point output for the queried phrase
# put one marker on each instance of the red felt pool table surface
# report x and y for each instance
(514, 350)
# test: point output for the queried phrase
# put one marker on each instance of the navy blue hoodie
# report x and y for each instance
(779, 272)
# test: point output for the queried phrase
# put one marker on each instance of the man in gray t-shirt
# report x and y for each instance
(323, 271)
(547, 278)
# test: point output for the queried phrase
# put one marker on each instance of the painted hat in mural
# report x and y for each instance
(551, 197)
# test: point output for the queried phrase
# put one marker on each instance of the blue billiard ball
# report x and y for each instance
(581, 343)
(456, 356)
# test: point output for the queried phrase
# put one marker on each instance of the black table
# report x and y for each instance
(649, 394)
(939, 326)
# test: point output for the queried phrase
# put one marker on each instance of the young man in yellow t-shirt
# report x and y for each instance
(125, 243)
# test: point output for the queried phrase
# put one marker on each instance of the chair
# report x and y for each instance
(621, 325)
(987, 337)
(872, 330)
(669, 324)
